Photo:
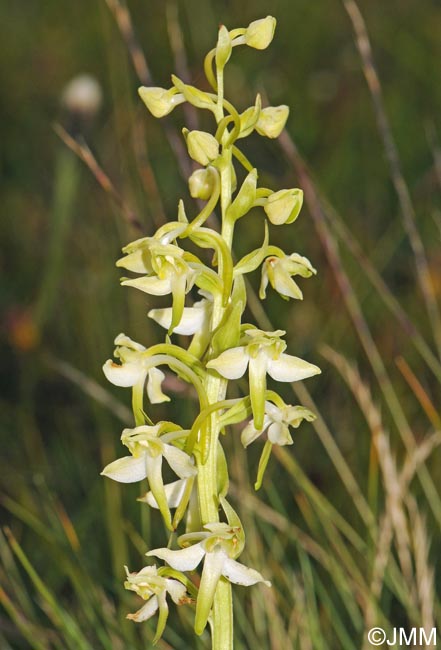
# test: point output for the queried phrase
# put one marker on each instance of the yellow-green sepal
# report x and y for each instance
(253, 260)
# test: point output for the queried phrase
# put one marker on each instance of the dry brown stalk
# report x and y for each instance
(419, 392)
(83, 152)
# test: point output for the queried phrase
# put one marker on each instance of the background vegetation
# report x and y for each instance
(348, 522)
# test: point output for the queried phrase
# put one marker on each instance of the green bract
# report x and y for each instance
(214, 348)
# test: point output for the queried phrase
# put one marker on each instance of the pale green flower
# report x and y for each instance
(134, 370)
(217, 545)
(160, 101)
(277, 420)
(278, 271)
(148, 446)
(154, 589)
(262, 352)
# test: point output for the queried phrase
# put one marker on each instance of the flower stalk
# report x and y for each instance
(221, 348)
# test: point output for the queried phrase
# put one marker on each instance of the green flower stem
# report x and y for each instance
(223, 617)
(226, 191)
(216, 387)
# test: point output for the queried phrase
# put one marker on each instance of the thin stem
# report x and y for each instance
(216, 387)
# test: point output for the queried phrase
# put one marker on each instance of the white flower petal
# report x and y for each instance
(299, 265)
(278, 434)
(185, 559)
(231, 364)
(250, 433)
(150, 284)
(285, 285)
(127, 374)
(289, 368)
(173, 492)
(242, 575)
(137, 261)
(146, 611)
(191, 322)
(127, 342)
(176, 590)
(179, 461)
(155, 377)
(126, 470)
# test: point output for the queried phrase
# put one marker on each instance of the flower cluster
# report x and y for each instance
(220, 348)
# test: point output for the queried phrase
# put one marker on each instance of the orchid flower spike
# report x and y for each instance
(222, 346)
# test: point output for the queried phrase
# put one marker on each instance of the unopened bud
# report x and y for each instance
(160, 101)
(201, 184)
(272, 120)
(202, 147)
(223, 47)
(260, 33)
(284, 206)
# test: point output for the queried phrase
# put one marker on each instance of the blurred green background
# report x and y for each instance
(318, 522)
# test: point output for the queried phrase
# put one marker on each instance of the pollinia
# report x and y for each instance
(221, 348)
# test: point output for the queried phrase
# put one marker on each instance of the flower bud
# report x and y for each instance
(223, 47)
(272, 120)
(284, 206)
(260, 33)
(160, 101)
(201, 184)
(202, 147)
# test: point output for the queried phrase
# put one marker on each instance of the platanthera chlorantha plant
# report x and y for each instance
(221, 348)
